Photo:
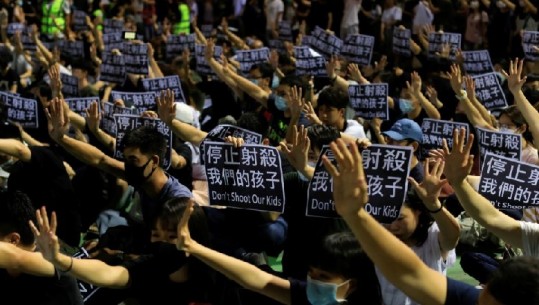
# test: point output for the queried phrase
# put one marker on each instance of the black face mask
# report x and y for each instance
(135, 175)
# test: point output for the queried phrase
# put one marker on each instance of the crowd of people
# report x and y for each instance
(90, 214)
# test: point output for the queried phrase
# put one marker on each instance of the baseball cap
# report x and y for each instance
(405, 129)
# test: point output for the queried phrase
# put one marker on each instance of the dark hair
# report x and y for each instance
(16, 210)
(266, 70)
(293, 80)
(148, 140)
(518, 119)
(8, 130)
(321, 135)
(425, 219)
(516, 281)
(333, 97)
(340, 253)
(252, 121)
(45, 90)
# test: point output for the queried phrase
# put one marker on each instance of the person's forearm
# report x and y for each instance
(341, 83)
(449, 229)
(200, 36)
(84, 152)
(44, 51)
(105, 139)
(294, 120)
(531, 115)
(397, 262)
(330, 21)
(94, 271)
(473, 114)
(15, 148)
(187, 132)
(482, 210)
(30, 140)
(480, 108)
(237, 41)
(429, 108)
(76, 119)
(510, 5)
(155, 68)
(251, 89)
(24, 261)
(217, 68)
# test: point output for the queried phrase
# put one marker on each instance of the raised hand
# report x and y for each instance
(210, 49)
(470, 87)
(331, 67)
(432, 94)
(515, 81)
(45, 234)
(430, 188)
(350, 192)
(93, 117)
(297, 102)
(55, 80)
(310, 114)
(58, 119)
(416, 82)
(298, 152)
(355, 73)
(166, 106)
(236, 142)
(458, 162)
(455, 78)
(184, 235)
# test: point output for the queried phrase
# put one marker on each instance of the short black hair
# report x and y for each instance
(425, 220)
(148, 139)
(45, 90)
(333, 97)
(293, 80)
(16, 210)
(253, 122)
(516, 281)
(321, 135)
(266, 70)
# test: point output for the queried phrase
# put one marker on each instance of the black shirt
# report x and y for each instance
(8, 79)
(277, 121)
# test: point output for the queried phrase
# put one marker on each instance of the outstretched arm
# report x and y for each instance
(92, 271)
(458, 166)
(24, 261)
(397, 262)
(243, 273)
(15, 148)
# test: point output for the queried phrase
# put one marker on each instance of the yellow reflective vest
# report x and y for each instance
(53, 20)
(184, 26)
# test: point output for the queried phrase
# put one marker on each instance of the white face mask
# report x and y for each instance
(474, 4)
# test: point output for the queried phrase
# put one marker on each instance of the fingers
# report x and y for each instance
(54, 223)
(445, 147)
(33, 228)
(456, 139)
(285, 148)
(45, 217)
(414, 183)
(469, 144)
(440, 169)
(330, 168)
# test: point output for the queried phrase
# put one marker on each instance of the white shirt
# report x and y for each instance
(392, 14)
(273, 8)
(423, 16)
(530, 238)
(431, 255)
(350, 13)
(354, 129)
(238, 7)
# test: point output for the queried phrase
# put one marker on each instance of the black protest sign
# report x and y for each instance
(125, 123)
(499, 143)
(176, 44)
(70, 85)
(285, 31)
(401, 41)
(71, 49)
(369, 100)
(358, 49)
(162, 83)
(477, 62)
(530, 40)
(112, 25)
(86, 290)
(320, 192)
(325, 43)
(509, 183)
(113, 41)
(109, 110)
(14, 27)
(248, 177)
(20, 110)
(220, 132)
(207, 30)
(252, 57)
(306, 40)
(78, 21)
(437, 41)
(489, 91)
(112, 69)
(276, 44)
(136, 58)
(202, 66)
(142, 101)
(386, 169)
(80, 104)
(434, 131)
(28, 43)
(308, 62)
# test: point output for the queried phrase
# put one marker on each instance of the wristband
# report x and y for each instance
(68, 268)
(437, 210)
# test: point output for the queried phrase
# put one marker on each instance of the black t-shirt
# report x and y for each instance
(35, 290)
(44, 179)
(8, 79)
(459, 293)
(185, 174)
(298, 292)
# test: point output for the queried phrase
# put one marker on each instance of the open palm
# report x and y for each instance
(45, 234)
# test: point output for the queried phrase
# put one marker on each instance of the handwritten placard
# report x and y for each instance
(248, 177)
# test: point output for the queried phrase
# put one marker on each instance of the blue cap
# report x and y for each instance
(405, 129)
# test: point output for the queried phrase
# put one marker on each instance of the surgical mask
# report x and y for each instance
(322, 293)
(134, 175)
(254, 81)
(405, 105)
(500, 4)
(275, 82)
(474, 4)
(504, 128)
(280, 103)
